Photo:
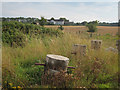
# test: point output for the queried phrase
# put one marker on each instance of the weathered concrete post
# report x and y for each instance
(79, 49)
(56, 63)
(118, 44)
(55, 70)
(96, 44)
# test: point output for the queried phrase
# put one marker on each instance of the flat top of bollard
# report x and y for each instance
(57, 57)
(96, 40)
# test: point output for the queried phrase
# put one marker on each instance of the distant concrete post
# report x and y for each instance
(56, 63)
(91, 34)
(96, 44)
(79, 49)
(118, 44)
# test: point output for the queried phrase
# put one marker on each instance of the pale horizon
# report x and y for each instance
(73, 11)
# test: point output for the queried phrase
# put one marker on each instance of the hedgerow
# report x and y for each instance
(15, 33)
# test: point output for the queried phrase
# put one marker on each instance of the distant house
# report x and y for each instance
(60, 22)
(56, 22)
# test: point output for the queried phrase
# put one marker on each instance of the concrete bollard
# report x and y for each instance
(118, 44)
(111, 49)
(55, 70)
(96, 44)
(55, 64)
(79, 49)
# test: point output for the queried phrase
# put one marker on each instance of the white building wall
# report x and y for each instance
(59, 22)
(52, 21)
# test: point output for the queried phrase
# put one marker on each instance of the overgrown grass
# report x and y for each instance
(98, 69)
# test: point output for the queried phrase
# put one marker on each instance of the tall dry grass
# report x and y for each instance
(101, 29)
(96, 69)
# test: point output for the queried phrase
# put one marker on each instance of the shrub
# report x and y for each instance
(13, 37)
(60, 27)
(92, 26)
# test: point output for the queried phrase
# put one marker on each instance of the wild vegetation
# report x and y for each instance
(98, 69)
(17, 34)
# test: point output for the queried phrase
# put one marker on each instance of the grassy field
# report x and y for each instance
(98, 69)
(101, 29)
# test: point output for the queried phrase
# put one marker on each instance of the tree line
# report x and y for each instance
(43, 21)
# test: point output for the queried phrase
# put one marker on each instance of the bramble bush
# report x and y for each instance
(13, 37)
(15, 33)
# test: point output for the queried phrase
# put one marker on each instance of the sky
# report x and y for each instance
(74, 11)
(59, 0)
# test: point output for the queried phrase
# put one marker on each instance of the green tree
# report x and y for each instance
(64, 19)
(84, 23)
(52, 18)
(92, 27)
(43, 21)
